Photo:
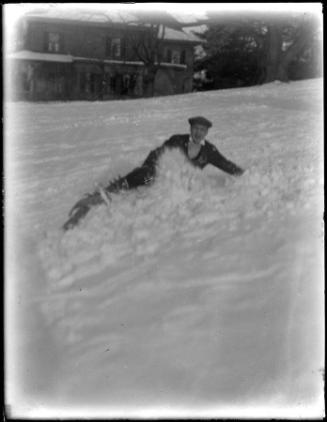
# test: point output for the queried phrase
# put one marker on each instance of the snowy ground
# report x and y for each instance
(201, 295)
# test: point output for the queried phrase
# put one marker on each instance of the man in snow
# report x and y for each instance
(194, 146)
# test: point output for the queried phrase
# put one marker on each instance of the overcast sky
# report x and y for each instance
(14, 11)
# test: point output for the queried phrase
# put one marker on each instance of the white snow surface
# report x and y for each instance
(201, 295)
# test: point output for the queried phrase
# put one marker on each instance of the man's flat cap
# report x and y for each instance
(199, 120)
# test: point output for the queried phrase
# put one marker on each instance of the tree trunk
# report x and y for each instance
(149, 80)
(290, 54)
(273, 52)
(282, 72)
(278, 61)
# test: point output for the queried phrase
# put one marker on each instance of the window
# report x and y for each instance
(90, 83)
(95, 81)
(113, 83)
(183, 57)
(26, 83)
(54, 42)
(114, 48)
(55, 83)
(85, 80)
(106, 82)
(116, 83)
(175, 56)
(27, 78)
(82, 82)
(108, 47)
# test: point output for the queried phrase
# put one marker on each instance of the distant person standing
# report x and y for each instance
(193, 145)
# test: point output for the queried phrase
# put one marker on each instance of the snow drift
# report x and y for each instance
(199, 295)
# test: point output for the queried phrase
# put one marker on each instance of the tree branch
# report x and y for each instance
(296, 47)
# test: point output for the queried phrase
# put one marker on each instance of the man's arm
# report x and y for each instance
(154, 155)
(218, 160)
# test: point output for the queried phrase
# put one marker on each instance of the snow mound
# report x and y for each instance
(137, 224)
(201, 290)
(184, 201)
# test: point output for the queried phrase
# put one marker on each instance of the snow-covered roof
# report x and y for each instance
(190, 19)
(48, 57)
(174, 35)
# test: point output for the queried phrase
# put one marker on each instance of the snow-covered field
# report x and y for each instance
(199, 296)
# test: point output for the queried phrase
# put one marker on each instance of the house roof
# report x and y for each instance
(174, 35)
(191, 19)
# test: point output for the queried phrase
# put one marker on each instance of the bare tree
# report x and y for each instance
(149, 47)
(285, 40)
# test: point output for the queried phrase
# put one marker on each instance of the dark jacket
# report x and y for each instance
(208, 154)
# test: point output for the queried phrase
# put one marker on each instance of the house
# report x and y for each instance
(79, 55)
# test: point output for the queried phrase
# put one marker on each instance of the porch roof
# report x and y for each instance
(67, 58)
(47, 57)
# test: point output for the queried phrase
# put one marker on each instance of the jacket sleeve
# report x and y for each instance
(154, 155)
(218, 160)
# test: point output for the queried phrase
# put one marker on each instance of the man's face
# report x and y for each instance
(198, 132)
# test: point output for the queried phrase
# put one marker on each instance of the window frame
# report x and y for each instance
(115, 47)
(59, 43)
(176, 54)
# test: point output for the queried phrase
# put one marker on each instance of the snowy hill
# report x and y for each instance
(201, 295)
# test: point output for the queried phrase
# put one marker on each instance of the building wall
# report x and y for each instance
(173, 81)
(81, 40)
(176, 80)
(40, 81)
(104, 82)
(52, 81)
(89, 76)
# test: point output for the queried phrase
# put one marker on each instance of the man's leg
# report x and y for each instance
(138, 177)
(81, 208)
